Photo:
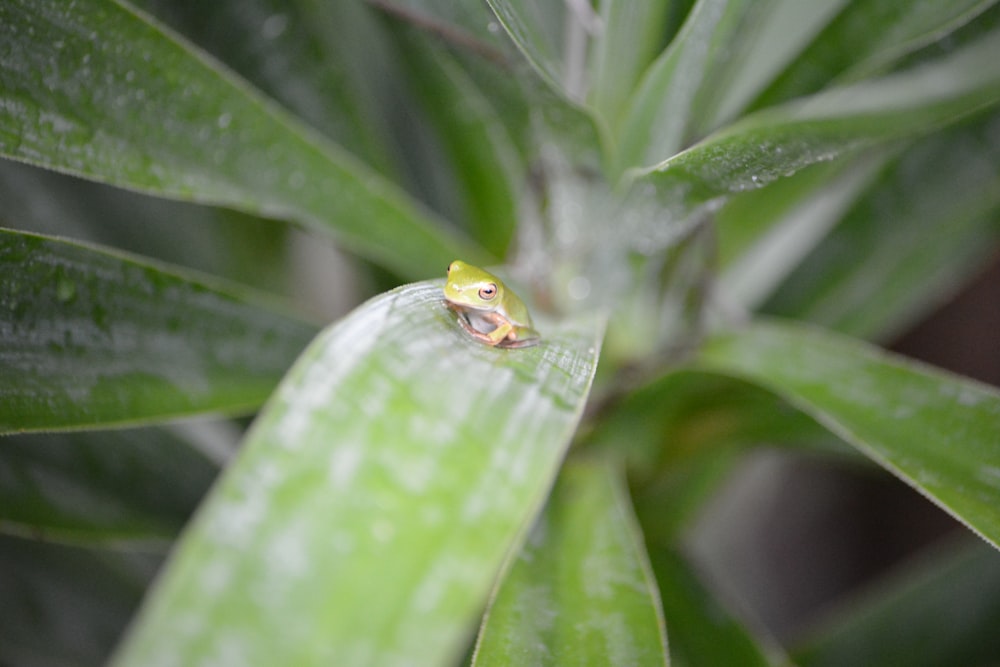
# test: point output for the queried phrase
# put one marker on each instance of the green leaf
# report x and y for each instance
(299, 53)
(97, 90)
(223, 242)
(631, 35)
(935, 431)
(375, 497)
(65, 605)
(682, 433)
(91, 337)
(771, 34)
(880, 33)
(899, 621)
(765, 234)
(916, 236)
(481, 154)
(538, 31)
(775, 143)
(702, 632)
(130, 488)
(657, 121)
(580, 592)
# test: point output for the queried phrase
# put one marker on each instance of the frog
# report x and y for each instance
(488, 310)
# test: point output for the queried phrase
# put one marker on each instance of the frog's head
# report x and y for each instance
(471, 287)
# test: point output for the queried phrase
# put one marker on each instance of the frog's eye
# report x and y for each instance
(488, 291)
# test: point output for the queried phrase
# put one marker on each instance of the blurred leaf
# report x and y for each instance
(537, 30)
(93, 337)
(900, 621)
(702, 632)
(301, 53)
(681, 435)
(631, 35)
(219, 241)
(580, 592)
(916, 236)
(683, 413)
(868, 37)
(469, 26)
(98, 90)
(765, 234)
(66, 606)
(775, 143)
(935, 431)
(771, 34)
(112, 487)
(375, 497)
(481, 155)
(659, 113)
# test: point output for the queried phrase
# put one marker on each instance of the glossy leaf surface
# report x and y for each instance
(580, 591)
(92, 338)
(375, 497)
(101, 91)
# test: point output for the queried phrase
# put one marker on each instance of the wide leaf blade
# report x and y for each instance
(935, 431)
(581, 591)
(98, 90)
(90, 337)
(375, 497)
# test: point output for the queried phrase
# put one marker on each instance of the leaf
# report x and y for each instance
(120, 488)
(765, 234)
(911, 241)
(656, 123)
(935, 431)
(91, 337)
(298, 53)
(899, 621)
(537, 30)
(100, 91)
(880, 34)
(64, 605)
(775, 143)
(631, 35)
(375, 497)
(580, 592)
(219, 241)
(702, 632)
(485, 168)
(771, 35)
(681, 435)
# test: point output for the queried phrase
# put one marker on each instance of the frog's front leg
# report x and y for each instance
(502, 326)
